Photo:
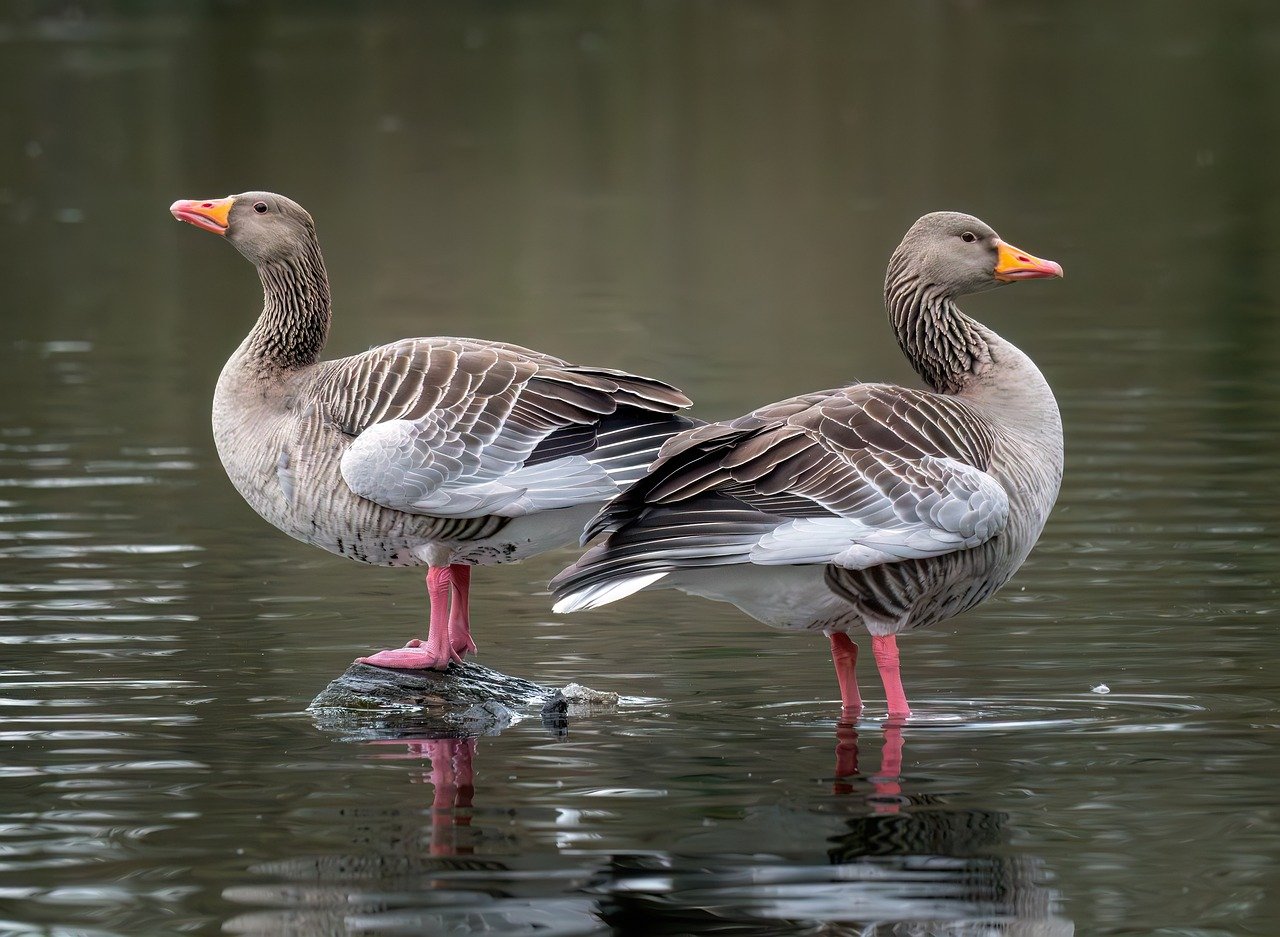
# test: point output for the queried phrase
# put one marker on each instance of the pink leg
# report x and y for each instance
(436, 652)
(460, 610)
(885, 649)
(844, 654)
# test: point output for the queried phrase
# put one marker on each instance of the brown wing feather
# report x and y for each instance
(410, 379)
(818, 447)
(433, 413)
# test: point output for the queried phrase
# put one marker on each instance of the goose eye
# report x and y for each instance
(968, 237)
(260, 207)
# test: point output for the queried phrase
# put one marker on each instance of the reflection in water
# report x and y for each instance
(895, 864)
(442, 878)
(950, 855)
(452, 779)
(886, 780)
(899, 864)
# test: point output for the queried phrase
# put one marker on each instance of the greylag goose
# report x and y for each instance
(870, 505)
(443, 452)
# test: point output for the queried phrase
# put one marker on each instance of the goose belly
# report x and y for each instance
(292, 479)
(793, 598)
(290, 473)
(897, 597)
(518, 537)
(910, 594)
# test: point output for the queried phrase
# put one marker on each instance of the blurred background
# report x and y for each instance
(705, 192)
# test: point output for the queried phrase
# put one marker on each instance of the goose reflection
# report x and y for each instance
(891, 823)
(871, 859)
(400, 876)
(870, 855)
(942, 870)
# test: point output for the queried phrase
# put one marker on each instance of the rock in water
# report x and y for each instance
(466, 700)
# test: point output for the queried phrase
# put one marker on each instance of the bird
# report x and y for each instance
(444, 452)
(867, 506)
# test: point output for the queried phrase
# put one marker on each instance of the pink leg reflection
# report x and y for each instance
(887, 783)
(886, 796)
(453, 779)
(846, 756)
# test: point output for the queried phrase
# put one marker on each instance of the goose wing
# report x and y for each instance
(465, 428)
(855, 477)
(871, 475)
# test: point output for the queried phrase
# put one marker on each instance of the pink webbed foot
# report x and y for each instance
(415, 655)
(449, 631)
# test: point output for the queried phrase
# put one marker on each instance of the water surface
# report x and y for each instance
(706, 193)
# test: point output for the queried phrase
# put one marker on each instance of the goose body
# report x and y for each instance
(437, 452)
(300, 445)
(869, 506)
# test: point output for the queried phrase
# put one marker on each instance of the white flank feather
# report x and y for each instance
(850, 544)
(560, 483)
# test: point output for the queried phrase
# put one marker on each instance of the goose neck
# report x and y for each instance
(296, 311)
(945, 347)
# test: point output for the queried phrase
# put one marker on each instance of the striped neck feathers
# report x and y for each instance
(296, 310)
(945, 346)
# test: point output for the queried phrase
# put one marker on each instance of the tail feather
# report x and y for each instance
(679, 453)
(603, 593)
(706, 533)
(627, 444)
(623, 443)
(625, 389)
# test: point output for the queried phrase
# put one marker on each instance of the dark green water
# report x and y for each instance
(706, 192)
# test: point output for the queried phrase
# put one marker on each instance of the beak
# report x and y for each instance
(1014, 264)
(210, 214)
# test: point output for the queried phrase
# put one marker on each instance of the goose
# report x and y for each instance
(870, 505)
(443, 452)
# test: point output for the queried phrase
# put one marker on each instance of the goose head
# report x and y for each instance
(956, 254)
(263, 226)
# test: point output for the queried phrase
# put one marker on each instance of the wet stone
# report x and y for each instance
(465, 700)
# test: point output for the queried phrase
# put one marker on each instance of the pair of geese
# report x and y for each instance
(865, 506)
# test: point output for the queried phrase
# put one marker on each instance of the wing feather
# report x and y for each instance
(454, 427)
(856, 477)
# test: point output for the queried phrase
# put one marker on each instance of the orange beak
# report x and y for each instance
(210, 214)
(1014, 264)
